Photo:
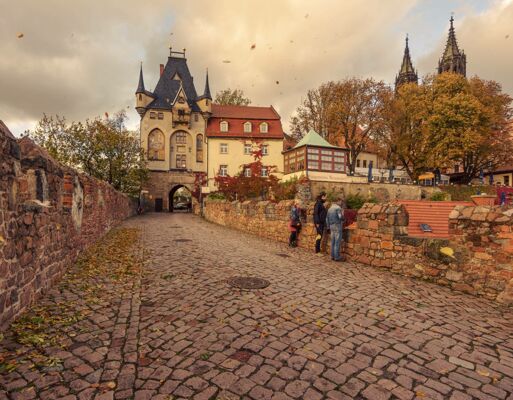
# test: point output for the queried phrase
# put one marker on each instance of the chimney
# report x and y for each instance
(161, 69)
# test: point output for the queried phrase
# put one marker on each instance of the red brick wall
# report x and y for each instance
(48, 214)
(481, 242)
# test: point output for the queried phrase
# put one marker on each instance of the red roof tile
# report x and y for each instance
(433, 213)
(236, 116)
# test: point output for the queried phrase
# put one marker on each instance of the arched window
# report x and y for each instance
(199, 148)
(247, 127)
(156, 145)
(223, 126)
(264, 128)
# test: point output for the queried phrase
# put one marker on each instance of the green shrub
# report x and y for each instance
(463, 192)
(439, 196)
(285, 190)
(216, 196)
(356, 201)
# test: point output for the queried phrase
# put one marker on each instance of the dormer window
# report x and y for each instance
(181, 99)
(223, 126)
(247, 127)
(264, 127)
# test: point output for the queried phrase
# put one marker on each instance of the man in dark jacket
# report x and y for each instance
(319, 217)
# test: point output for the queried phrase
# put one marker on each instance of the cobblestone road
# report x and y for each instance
(320, 330)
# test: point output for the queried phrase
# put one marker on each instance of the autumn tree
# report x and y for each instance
(313, 113)
(405, 140)
(231, 97)
(102, 148)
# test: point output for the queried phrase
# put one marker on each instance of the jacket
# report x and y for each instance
(335, 217)
(319, 215)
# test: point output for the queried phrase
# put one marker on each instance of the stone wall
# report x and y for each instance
(383, 192)
(48, 214)
(478, 259)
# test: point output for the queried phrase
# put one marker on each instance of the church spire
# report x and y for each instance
(140, 86)
(407, 73)
(206, 93)
(453, 60)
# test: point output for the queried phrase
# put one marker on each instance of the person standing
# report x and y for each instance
(319, 217)
(294, 224)
(335, 224)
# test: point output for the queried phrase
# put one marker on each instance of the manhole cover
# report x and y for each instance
(183, 240)
(248, 282)
(282, 255)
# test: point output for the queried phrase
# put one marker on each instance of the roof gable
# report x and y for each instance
(168, 87)
(312, 138)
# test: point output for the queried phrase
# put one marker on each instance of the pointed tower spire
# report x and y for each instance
(453, 60)
(206, 93)
(140, 86)
(407, 73)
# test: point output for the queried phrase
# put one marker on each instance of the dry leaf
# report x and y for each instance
(253, 46)
(19, 35)
(483, 373)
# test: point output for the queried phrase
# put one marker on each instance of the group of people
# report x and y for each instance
(327, 221)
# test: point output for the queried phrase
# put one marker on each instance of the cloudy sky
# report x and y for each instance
(81, 58)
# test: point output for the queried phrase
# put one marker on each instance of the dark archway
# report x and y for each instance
(180, 199)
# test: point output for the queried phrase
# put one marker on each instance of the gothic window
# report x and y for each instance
(199, 148)
(196, 117)
(181, 137)
(264, 128)
(247, 127)
(140, 97)
(223, 126)
(156, 145)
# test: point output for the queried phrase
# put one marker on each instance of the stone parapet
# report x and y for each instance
(48, 214)
(477, 259)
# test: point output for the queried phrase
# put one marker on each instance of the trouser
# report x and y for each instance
(318, 240)
(293, 237)
(336, 239)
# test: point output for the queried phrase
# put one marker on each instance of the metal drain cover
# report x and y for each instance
(183, 240)
(248, 282)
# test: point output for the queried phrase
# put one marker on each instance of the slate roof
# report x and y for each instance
(167, 88)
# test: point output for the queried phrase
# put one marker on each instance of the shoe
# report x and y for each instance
(338, 259)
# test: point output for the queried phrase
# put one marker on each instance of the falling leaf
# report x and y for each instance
(19, 35)
(447, 251)
(253, 46)
(227, 61)
(111, 385)
(277, 82)
(307, 15)
(106, 114)
(507, 36)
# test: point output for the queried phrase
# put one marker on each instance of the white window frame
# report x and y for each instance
(265, 172)
(248, 127)
(265, 150)
(246, 147)
(223, 126)
(223, 170)
(247, 172)
(223, 148)
(264, 127)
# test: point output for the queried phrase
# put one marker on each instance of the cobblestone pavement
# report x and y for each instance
(319, 330)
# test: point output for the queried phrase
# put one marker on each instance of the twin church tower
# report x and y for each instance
(452, 60)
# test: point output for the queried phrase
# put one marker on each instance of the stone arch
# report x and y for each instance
(172, 192)
(156, 145)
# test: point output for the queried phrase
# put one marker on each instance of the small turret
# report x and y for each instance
(142, 96)
(205, 100)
